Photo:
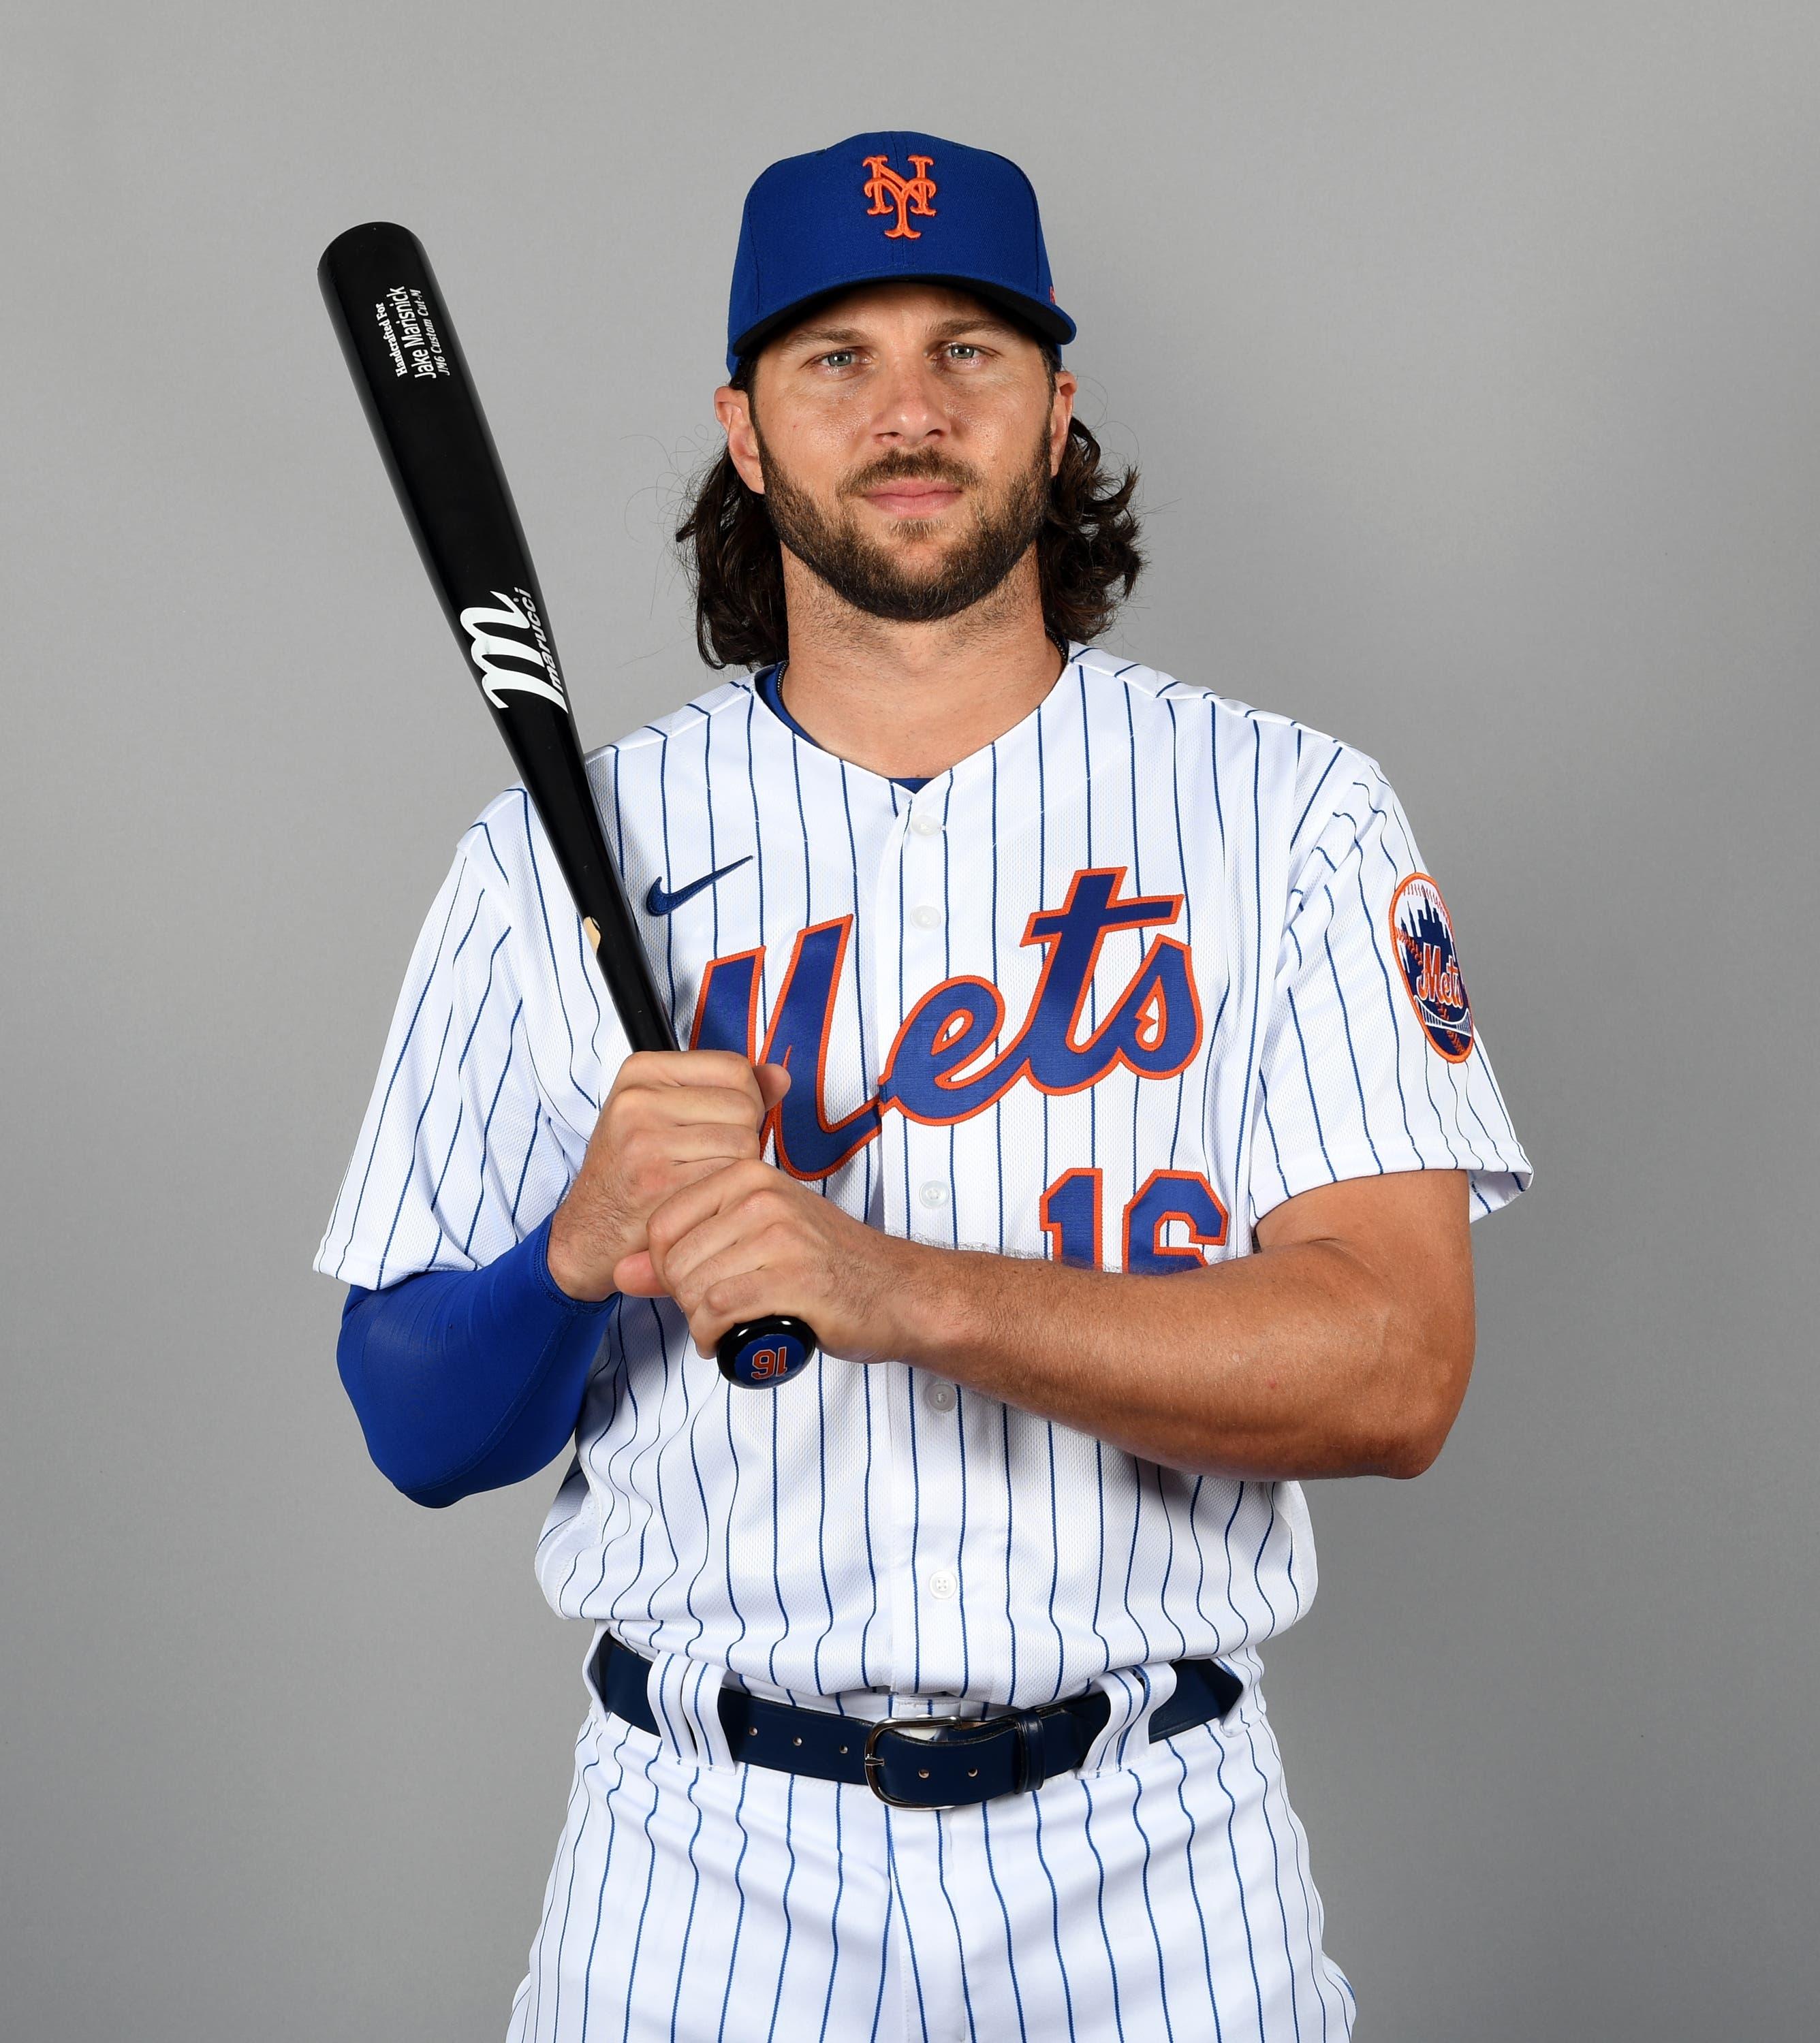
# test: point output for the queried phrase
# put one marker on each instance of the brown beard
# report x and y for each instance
(867, 574)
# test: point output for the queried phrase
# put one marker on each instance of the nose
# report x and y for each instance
(911, 412)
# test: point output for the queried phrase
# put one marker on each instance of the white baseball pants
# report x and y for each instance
(1163, 1892)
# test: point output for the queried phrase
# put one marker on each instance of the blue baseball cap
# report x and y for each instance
(878, 207)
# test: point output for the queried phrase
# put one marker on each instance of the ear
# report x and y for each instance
(1061, 417)
(734, 410)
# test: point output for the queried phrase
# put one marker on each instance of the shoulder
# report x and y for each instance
(505, 850)
(498, 848)
(715, 719)
(727, 700)
(1307, 776)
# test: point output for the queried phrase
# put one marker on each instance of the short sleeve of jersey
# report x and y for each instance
(1373, 1061)
(459, 1156)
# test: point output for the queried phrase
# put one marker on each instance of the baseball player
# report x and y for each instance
(1085, 1055)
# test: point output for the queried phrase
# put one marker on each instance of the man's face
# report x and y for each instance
(904, 438)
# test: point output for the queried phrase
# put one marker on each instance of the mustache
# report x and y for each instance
(929, 466)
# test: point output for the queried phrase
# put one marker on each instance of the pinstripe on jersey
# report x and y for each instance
(1112, 988)
(878, 1532)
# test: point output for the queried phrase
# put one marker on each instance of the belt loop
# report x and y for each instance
(588, 1667)
(1031, 1773)
(685, 1698)
(1134, 1694)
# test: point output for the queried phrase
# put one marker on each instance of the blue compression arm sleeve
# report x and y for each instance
(467, 1380)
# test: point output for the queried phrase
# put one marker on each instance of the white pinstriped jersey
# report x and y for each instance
(1111, 988)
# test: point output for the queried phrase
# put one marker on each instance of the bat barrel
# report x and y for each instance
(421, 401)
(412, 377)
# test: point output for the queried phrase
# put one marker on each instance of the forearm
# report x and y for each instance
(1340, 1347)
(468, 1380)
(1295, 1362)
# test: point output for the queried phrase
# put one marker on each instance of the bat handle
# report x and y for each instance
(761, 1354)
(758, 1354)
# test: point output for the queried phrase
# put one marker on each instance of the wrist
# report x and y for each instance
(930, 1303)
(575, 1268)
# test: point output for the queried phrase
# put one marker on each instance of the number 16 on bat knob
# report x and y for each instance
(763, 1353)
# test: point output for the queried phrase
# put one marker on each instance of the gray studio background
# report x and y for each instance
(1469, 353)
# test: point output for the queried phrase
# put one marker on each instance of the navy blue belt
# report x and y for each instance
(919, 1762)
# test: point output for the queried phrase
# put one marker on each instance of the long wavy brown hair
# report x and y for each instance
(1087, 554)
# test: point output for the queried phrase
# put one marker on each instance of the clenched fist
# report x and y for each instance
(672, 1118)
(748, 1240)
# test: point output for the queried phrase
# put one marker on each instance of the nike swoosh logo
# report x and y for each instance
(658, 903)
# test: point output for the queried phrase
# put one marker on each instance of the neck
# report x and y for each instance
(906, 701)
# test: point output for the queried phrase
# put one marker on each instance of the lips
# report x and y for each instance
(912, 499)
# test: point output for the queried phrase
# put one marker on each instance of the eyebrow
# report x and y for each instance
(850, 336)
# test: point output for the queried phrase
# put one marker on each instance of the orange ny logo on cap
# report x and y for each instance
(885, 189)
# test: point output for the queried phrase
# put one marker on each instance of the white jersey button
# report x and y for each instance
(926, 918)
(943, 1583)
(941, 1396)
(925, 822)
(934, 1194)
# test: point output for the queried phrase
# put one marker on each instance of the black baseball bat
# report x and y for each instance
(421, 402)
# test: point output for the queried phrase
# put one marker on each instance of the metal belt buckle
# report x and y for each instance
(924, 1730)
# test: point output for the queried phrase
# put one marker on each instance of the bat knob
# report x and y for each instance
(761, 1354)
